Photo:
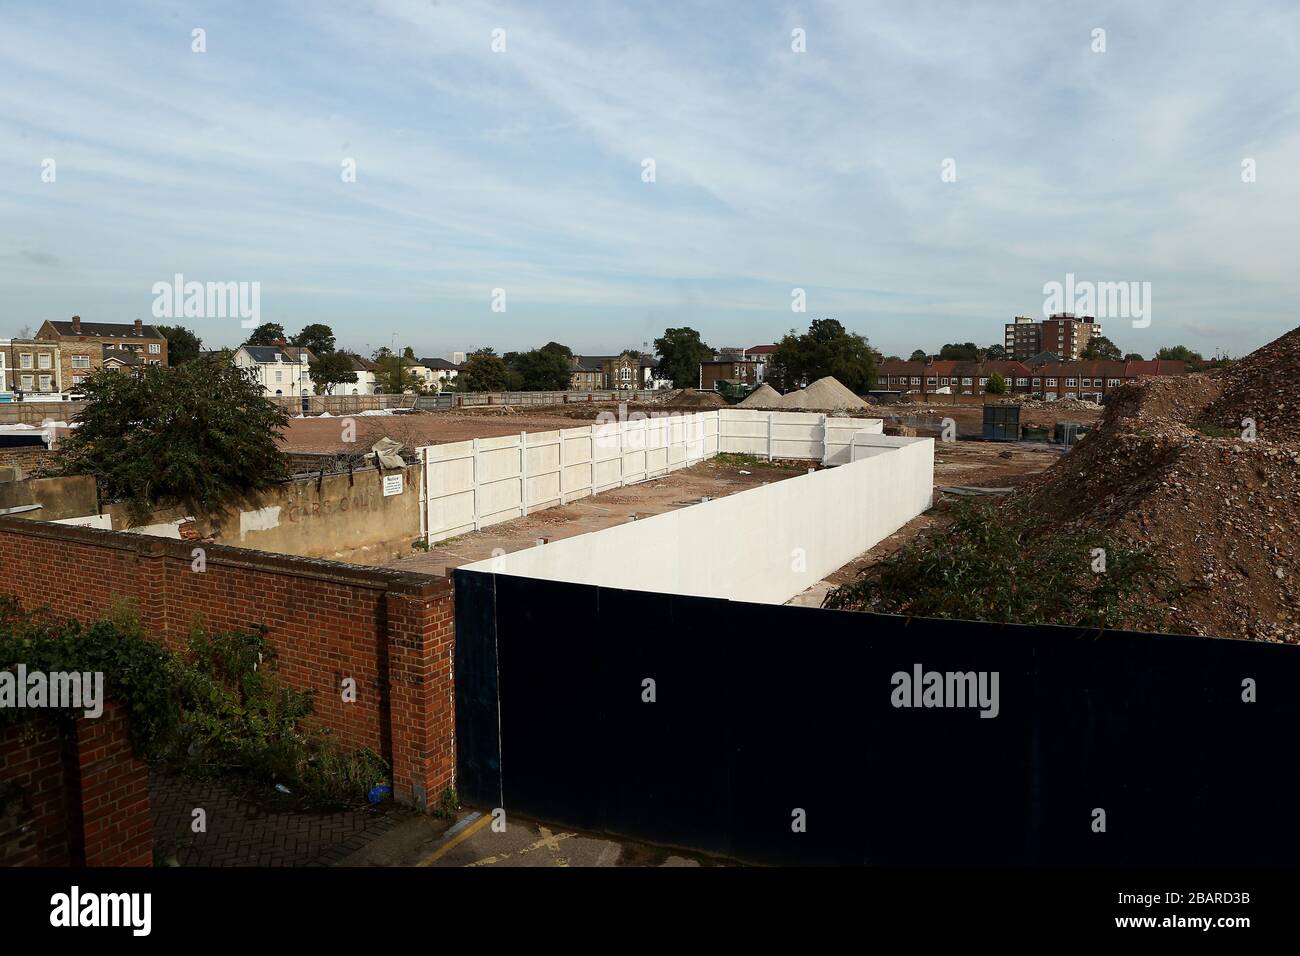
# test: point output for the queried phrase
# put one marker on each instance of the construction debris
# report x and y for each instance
(1168, 471)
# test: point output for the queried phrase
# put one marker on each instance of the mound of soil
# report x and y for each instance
(765, 396)
(690, 398)
(1223, 513)
(825, 394)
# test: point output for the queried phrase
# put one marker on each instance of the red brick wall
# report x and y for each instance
(33, 795)
(73, 794)
(391, 631)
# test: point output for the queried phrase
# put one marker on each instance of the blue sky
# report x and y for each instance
(775, 170)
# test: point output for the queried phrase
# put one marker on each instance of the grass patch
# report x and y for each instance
(1216, 431)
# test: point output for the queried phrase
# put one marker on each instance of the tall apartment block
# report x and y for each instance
(1063, 334)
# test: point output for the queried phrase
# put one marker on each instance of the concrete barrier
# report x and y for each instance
(764, 545)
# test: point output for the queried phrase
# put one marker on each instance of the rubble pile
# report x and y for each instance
(1164, 472)
(1262, 387)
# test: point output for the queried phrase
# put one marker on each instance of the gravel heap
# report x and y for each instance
(825, 394)
(1262, 386)
(765, 396)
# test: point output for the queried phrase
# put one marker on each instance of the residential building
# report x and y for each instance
(279, 369)
(365, 383)
(741, 371)
(1063, 334)
(1090, 380)
(73, 335)
(1022, 337)
(436, 372)
(121, 360)
(626, 371)
(79, 359)
(30, 369)
(586, 374)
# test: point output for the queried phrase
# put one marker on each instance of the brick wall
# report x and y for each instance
(391, 631)
(72, 793)
(27, 458)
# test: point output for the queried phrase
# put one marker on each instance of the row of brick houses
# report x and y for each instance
(64, 354)
(1089, 380)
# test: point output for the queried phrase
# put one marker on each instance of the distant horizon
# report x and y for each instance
(923, 174)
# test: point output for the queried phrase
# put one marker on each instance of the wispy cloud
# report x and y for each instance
(522, 170)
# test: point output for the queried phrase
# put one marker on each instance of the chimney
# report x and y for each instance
(139, 327)
(76, 325)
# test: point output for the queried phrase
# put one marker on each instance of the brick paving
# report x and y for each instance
(241, 833)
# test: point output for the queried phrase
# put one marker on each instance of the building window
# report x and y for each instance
(155, 348)
(46, 383)
(943, 381)
(27, 383)
(965, 381)
(931, 380)
(916, 380)
(45, 360)
(1022, 381)
(1112, 383)
(25, 360)
(1051, 383)
(78, 379)
(1071, 383)
(984, 381)
(1037, 382)
(81, 361)
(279, 376)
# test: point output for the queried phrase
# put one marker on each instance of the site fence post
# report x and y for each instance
(474, 480)
(523, 471)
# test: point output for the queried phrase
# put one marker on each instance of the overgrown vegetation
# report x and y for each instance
(199, 435)
(219, 709)
(137, 672)
(994, 564)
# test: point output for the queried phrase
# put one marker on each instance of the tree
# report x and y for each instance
(200, 435)
(545, 369)
(1133, 357)
(393, 374)
(996, 385)
(1181, 353)
(1100, 347)
(484, 371)
(319, 338)
(918, 356)
(330, 369)
(680, 353)
(182, 344)
(268, 333)
(995, 353)
(827, 348)
(965, 352)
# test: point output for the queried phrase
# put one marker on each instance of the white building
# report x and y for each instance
(281, 370)
(365, 383)
(436, 372)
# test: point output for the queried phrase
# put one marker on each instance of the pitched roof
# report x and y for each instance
(114, 329)
(269, 354)
(761, 349)
(439, 364)
(124, 356)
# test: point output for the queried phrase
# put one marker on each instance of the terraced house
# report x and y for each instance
(1088, 380)
(81, 345)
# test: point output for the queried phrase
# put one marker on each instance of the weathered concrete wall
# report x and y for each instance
(69, 497)
(338, 517)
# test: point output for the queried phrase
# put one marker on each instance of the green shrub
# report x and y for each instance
(993, 564)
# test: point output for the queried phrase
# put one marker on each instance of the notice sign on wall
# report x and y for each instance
(392, 484)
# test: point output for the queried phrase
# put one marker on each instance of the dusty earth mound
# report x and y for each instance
(1262, 386)
(765, 396)
(1178, 399)
(690, 398)
(1222, 513)
(825, 394)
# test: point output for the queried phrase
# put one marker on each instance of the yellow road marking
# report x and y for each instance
(460, 837)
(548, 840)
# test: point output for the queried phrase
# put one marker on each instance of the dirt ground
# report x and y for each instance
(973, 464)
(679, 489)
